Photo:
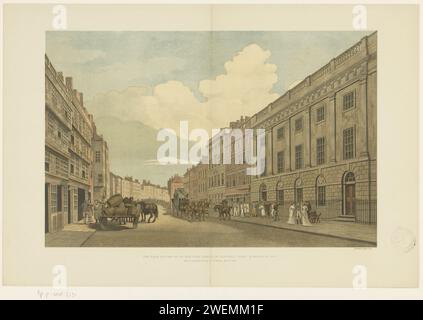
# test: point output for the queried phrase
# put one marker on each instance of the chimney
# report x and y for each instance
(69, 82)
(81, 98)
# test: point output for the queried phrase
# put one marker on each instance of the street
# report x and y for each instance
(169, 231)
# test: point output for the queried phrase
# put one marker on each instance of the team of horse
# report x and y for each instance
(192, 210)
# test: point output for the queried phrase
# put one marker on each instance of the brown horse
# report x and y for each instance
(148, 209)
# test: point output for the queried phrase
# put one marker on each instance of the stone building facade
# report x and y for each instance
(68, 153)
(321, 139)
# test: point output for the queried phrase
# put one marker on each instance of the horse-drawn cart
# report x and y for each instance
(119, 210)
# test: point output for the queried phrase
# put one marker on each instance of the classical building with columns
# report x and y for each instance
(321, 139)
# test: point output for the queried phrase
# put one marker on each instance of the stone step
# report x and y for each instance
(346, 218)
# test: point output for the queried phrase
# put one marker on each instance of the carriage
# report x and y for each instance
(179, 202)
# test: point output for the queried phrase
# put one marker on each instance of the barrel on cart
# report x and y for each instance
(121, 210)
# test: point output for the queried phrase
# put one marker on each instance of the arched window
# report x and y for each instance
(349, 178)
(280, 196)
(298, 190)
(320, 191)
(263, 192)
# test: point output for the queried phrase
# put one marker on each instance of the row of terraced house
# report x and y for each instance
(320, 142)
(76, 155)
(77, 169)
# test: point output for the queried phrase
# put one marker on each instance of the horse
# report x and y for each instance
(148, 209)
(204, 209)
(224, 211)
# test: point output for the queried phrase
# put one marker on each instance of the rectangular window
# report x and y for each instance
(349, 143)
(281, 133)
(321, 196)
(97, 156)
(320, 150)
(223, 179)
(299, 156)
(320, 114)
(100, 178)
(348, 100)
(72, 169)
(299, 124)
(281, 161)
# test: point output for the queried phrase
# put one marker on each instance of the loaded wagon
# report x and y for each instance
(121, 210)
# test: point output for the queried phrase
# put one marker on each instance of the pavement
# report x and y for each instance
(73, 235)
(169, 231)
(331, 228)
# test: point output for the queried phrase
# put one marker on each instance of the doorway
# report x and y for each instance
(81, 200)
(349, 194)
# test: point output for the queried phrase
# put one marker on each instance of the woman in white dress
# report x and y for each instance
(261, 210)
(304, 216)
(291, 219)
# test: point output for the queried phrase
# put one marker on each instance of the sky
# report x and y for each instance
(135, 83)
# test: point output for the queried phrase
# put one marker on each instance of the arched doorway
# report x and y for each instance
(263, 193)
(298, 191)
(349, 194)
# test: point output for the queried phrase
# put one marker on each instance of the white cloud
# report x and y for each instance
(244, 88)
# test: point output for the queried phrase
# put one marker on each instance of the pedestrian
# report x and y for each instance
(304, 216)
(275, 212)
(236, 209)
(262, 210)
(298, 214)
(291, 218)
(247, 209)
(241, 209)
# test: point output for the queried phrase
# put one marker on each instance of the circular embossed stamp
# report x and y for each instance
(403, 239)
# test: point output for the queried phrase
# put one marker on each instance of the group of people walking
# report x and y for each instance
(240, 209)
(298, 212)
